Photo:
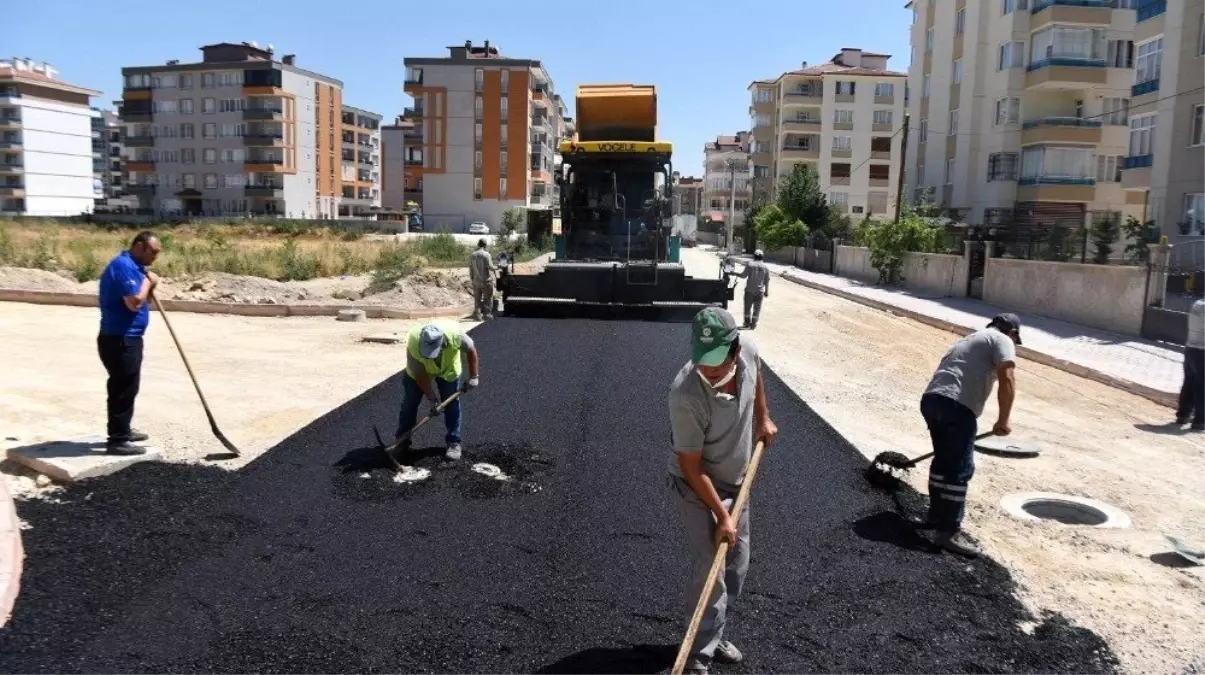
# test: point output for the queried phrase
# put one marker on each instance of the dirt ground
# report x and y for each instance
(864, 371)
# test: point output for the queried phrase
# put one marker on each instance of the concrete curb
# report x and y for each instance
(1163, 398)
(239, 309)
(12, 553)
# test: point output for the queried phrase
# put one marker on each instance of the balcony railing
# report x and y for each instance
(1138, 162)
(1148, 87)
(412, 112)
(274, 191)
(411, 82)
(1040, 5)
(1060, 122)
(806, 92)
(1151, 9)
(6, 143)
(1057, 180)
(1073, 61)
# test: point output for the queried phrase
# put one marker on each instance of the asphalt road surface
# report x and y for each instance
(299, 563)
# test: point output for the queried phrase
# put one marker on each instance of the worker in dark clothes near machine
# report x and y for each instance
(951, 405)
(124, 295)
(1192, 393)
(757, 286)
(717, 410)
(434, 370)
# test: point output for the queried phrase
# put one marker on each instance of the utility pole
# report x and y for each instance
(731, 203)
(899, 179)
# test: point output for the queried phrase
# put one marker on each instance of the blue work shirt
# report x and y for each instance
(122, 277)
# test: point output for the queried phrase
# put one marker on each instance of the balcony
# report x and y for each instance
(263, 113)
(412, 112)
(264, 140)
(1045, 188)
(804, 97)
(142, 141)
(1144, 88)
(1061, 130)
(1151, 9)
(1136, 172)
(269, 191)
(800, 152)
(842, 154)
(11, 144)
(411, 82)
(264, 165)
(802, 124)
(1066, 72)
(838, 180)
(1138, 162)
(140, 165)
(141, 188)
(414, 161)
(10, 122)
(1070, 12)
(12, 190)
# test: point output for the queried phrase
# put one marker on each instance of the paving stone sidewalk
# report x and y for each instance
(1148, 368)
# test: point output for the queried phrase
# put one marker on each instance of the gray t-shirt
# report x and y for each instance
(967, 372)
(758, 276)
(1196, 326)
(480, 265)
(720, 425)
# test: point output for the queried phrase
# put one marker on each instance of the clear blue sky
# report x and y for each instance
(701, 55)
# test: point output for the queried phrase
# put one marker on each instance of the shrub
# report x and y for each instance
(442, 248)
(775, 229)
(393, 264)
(296, 265)
(888, 241)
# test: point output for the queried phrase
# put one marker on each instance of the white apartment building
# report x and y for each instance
(46, 160)
(726, 174)
(1019, 109)
(1164, 171)
(845, 118)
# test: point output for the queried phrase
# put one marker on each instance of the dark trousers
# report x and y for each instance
(952, 426)
(412, 396)
(122, 357)
(1192, 393)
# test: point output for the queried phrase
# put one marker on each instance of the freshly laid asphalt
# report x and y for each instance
(300, 563)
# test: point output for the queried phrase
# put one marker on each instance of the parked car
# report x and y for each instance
(479, 228)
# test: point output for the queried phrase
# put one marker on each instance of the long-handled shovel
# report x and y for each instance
(397, 443)
(213, 425)
(881, 472)
(717, 564)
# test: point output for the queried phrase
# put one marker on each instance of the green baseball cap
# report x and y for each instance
(711, 334)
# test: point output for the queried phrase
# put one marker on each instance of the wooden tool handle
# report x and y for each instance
(184, 357)
(717, 564)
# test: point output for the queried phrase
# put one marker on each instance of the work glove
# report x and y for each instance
(471, 384)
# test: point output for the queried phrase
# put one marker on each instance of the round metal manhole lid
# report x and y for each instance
(1007, 447)
(1064, 509)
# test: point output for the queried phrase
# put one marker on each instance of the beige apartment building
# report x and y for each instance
(1020, 109)
(687, 195)
(488, 128)
(845, 117)
(726, 178)
(1164, 170)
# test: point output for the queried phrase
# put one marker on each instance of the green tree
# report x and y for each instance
(512, 220)
(1137, 251)
(889, 241)
(800, 197)
(1105, 232)
(776, 229)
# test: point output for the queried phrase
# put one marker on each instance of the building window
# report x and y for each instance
(957, 71)
(1201, 35)
(1194, 212)
(763, 96)
(929, 39)
(1198, 125)
(187, 130)
(502, 188)
(1011, 6)
(503, 139)
(209, 130)
(230, 78)
(839, 199)
(478, 79)
(505, 80)
(1108, 168)
(164, 106)
(230, 105)
(845, 88)
(185, 106)
(211, 181)
(915, 12)
(502, 160)
(190, 181)
(843, 142)
(477, 132)
(207, 80)
(953, 122)
(1115, 111)
(210, 156)
(478, 108)
(1055, 161)
(884, 89)
(1120, 54)
(1008, 111)
(234, 156)
(882, 117)
(188, 156)
(843, 116)
(477, 160)
(185, 82)
(924, 92)
(232, 130)
(209, 105)
(924, 131)
(1142, 134)
(505, 109)
(1061, 42)
(949, 171)
(960, 22)
(920, 174)
(477, 189)
(1002, 166)
(1150, 61)
(1012, 55)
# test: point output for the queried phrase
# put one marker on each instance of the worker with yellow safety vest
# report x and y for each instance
(434, 370)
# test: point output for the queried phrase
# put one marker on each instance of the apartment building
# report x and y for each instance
(360, 131)
(236, 133)
(1164, 170)
(845, 117)
(1020, 109)
(398, 184)
(108, 165)
(687, 195)
(46, 161)
(726, 174)
(489, 129)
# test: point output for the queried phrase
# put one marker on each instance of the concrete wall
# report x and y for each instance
(936, 274)
(854, 262)
(1109, 297)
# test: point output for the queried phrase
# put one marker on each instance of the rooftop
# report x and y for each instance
(41, 74)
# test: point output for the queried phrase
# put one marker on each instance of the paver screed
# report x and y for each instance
(312, 560)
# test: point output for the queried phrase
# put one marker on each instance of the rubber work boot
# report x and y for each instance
(695, 666)
(137, 436)
(726, 652)
(453, 452)
(124, 448)
(955, 542)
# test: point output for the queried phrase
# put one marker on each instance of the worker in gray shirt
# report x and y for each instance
(717, 411)
(757, 286)
(481, 268)
(951, 406)
(1192, 392)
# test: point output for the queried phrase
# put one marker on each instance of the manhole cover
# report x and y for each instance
(489, 470)
(1065, 509)
(1007, 447)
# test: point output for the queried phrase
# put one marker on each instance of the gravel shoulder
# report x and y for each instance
(864, 370)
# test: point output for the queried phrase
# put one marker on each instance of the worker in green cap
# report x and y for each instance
(717, 411)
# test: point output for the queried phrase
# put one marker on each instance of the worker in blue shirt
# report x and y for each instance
(125, 290)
